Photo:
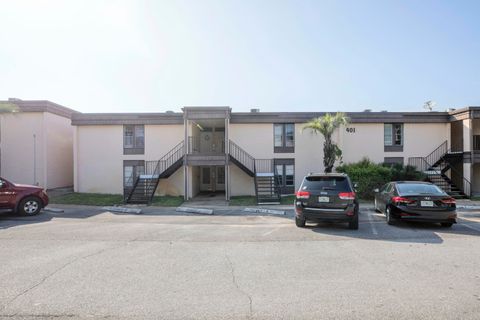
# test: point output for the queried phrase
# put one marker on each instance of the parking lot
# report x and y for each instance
(86, 263)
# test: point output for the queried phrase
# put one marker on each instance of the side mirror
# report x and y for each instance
(355, 185)
(376, 190)
(2, 183)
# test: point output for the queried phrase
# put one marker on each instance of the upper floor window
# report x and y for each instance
(284, 137)
(393, 136)
(133, 139)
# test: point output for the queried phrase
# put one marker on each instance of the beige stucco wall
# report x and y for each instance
(99, 157)
(17, 141)
(367, 141)
(59, 132)
(241, 184)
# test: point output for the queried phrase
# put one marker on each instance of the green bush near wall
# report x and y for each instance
(369, 175)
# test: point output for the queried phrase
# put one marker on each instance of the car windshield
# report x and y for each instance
(418, 188)
(326, 183)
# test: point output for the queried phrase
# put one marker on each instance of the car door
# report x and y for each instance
(384, 196)
(6, 195)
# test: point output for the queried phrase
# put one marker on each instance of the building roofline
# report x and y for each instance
(127, 118)
(41, 106)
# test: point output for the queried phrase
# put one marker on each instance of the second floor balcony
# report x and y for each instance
(206, 144)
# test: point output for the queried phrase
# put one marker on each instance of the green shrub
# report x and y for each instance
(369, 175)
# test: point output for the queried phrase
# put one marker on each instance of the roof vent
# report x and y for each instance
(169, 112)
(384, 110)
(367, 110)
(14, 99)
(255, 110)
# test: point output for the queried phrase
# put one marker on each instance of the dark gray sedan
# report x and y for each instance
(415, 201)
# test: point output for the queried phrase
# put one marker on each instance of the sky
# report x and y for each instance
(299, 55)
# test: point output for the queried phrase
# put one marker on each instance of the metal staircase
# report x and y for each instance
(267, 187)
(438, 166)
(145, 185)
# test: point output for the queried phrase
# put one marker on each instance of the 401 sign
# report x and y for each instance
(350, 130)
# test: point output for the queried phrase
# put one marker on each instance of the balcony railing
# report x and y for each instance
(212, 145)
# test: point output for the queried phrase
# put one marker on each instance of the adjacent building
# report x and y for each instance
(36, 143)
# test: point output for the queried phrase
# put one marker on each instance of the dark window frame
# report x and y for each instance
(284, 188)
(394, 147)
(284, 148)
(136, 148)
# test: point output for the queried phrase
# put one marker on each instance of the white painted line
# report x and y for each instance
(374, 229)
(194, 210)
(123, 210)
(470, 227)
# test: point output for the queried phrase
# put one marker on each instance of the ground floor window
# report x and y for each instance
(285, 174)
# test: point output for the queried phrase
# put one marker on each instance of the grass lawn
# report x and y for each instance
(98, 199)
(167, 201)
(90, 199)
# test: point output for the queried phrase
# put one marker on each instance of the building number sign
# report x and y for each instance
(350, 130)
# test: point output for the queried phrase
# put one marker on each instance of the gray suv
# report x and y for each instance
(326, 197)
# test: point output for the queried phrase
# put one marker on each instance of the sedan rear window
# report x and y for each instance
(418, 188)
(326, 183)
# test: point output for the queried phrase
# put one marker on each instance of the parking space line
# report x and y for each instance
(374, 229)
(470, 227)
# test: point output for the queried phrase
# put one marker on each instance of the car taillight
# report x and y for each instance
(347, 195)
(303, 195)
(401, 200)
(448, 201)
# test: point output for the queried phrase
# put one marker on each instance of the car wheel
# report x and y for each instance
(446, 224)
(353, 225)
(299, 222)
(376, 206)
(388, 215)
(30, 206)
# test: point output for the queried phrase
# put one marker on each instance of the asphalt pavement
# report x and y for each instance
(85, 263)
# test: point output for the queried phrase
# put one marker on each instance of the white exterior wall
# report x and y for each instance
(19, 162)
(59, 155)
(99, 157)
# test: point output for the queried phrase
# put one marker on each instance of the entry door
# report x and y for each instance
(206, 139)
(206, 179)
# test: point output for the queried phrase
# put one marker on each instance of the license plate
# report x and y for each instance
(323, 199)
(426, 203)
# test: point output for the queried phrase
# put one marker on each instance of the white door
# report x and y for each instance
(206, 142)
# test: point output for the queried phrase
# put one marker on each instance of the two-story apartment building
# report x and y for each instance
(212, 149)
(36, 143)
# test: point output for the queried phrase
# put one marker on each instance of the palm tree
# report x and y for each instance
(326, 126)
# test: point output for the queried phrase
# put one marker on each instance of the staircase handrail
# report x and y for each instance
(466, 186)
(438, 153)
(242, 156)
(168, 159)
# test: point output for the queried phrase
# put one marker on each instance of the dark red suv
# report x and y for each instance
(24, 199)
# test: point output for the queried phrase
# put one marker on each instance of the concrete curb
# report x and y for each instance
(270, 211)
(195, 210)
(53, 210)
(466, 207)
(123, 210)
